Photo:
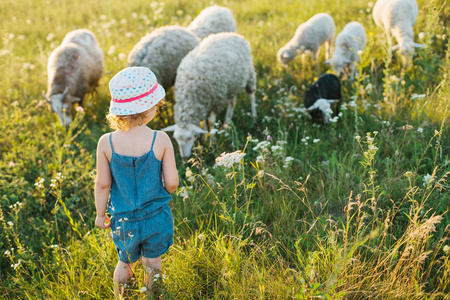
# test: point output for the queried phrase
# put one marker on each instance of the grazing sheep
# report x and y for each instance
(349, 42)
(324, 92)
(310, 35)
(74, 69)
(162, 51)
(397, 17)
(208, 80)
(211, 20)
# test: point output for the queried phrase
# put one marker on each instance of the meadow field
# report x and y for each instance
(357, 209)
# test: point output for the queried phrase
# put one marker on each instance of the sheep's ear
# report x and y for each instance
(396, 47)
(199, 130)
(169, 129)
(416, 45)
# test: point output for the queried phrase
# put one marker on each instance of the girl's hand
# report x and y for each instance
(103, 222)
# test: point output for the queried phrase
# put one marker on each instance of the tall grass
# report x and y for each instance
(357, 209)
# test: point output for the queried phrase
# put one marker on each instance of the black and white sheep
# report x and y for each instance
(319, 29)
(349, 42)
(322, 98)
(74, 68)
(208, 80)
(162, 51)
(211, 20)
(397, 18)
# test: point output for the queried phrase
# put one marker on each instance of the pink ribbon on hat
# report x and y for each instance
(137, 97)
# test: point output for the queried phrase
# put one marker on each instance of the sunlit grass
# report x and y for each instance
(357, 209)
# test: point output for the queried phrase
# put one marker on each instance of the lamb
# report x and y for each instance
(211, 20)
(321, 96)
(318, 30)
(73, 69)
(162, 51)
(349, 42)
(397, 17)
(208, 80)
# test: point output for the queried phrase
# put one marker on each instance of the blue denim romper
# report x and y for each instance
(141, 220)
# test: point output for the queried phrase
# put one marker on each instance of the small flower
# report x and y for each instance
(54, 246)
(130, 235)
(7, 253)
(50, 36)
(111, 50)
(229, 159)
(316, 140)
(11, 164)
(420, 129)
(10, 223)
(143, 289)
(427, 179)
(269, 137)
(408, 174)
(446, 249)
(79, 108)
(421, 35)
(122, 56)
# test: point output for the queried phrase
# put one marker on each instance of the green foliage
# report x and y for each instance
(356, 209)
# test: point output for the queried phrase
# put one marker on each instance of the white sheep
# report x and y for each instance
(73, 69)
(162, 51)
(309, 36)
(350, 41)
(211, 20)
(397, 18)
(208, 80)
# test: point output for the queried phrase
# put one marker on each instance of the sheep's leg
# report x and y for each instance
(251, 96)
(212, 119)
(230, 108)
(353, 69)
(328, 49)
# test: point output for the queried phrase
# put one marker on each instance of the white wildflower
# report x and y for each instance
(143, 289)
(227, 160)
(420, 129)
(421, 35)
(7, 253)
(352, 103)
(54, 246)
(111, 50)
(427, 179)
(316, 140)
(261, 145)
(10, 223)
(122, 56)
(446, 249)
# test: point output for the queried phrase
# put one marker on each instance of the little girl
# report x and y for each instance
(136, 169)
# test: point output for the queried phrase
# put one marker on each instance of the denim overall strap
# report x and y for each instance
(110, 142)
(154, 137)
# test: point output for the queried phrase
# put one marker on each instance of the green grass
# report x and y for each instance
(347, 217)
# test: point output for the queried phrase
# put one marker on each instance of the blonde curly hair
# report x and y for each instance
(129, 121)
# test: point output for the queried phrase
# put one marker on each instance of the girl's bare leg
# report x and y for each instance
(152, 266)
(122, 275)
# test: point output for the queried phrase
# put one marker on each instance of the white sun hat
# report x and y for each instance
(134, 90)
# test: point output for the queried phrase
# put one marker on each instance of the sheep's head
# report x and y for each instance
(407, 50)
(322, 108)
(185, 136)
(285, 55)
(60, 105)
